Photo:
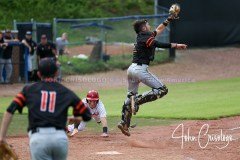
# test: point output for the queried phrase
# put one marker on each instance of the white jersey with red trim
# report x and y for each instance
(99, 111)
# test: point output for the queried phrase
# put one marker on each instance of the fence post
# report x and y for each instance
(15, 24)
(34, 30)
(102, 38)
(172, 51)
(155, 13)
(26, 53)
(54, 29)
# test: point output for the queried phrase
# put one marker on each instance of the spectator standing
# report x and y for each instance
(62, 43)
(46, 49)
(31, 45)
(1, 51)
(6, 59)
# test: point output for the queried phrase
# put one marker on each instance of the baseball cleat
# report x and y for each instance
(124, 128)
(104, 135)
(75, 131)
(133, 126)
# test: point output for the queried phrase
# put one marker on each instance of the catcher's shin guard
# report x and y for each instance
(134, 105)
(126, 120)
(152, 95)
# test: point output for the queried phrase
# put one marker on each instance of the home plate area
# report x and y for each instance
(108, 153)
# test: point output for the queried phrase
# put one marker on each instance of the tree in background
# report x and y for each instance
(46, 10)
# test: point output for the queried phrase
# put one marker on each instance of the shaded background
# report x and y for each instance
(206, 23)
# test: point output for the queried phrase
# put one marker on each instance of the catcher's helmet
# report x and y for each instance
(47, 67)
(92, 95)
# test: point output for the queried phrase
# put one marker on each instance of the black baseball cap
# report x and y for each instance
(48, 67)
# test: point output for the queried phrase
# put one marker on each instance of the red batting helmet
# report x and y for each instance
(93, 95)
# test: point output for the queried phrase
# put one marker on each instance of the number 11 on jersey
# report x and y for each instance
(48, 101)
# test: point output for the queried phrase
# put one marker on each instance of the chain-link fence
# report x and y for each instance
(116, 34)
(96, 38)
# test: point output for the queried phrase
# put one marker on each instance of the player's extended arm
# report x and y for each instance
(160, 29)
(26, 44)
(7, 118)
(163, 25)
(104, 124)
(178, 46)
(168, 45)
(11, 40)
(104, 121)
(173, 11)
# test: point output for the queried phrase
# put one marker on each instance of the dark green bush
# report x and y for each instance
(46, 10)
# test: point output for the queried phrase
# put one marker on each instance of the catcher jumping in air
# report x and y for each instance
(48, 102)
(98, 112)
(143, 54)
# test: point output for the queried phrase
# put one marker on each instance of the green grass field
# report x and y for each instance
(198, 100)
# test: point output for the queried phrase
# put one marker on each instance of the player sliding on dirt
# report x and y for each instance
(143, 54)
(98, 112)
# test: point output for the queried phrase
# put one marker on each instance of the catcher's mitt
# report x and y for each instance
(7, 152)
(174, 10)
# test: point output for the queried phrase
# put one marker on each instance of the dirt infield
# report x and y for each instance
(155, 143)
(118, 48)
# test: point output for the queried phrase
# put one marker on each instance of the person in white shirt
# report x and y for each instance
(98, 112)
(61, 44)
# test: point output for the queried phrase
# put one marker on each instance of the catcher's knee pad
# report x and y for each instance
(130, 94)
(163, 91)
(152, 95)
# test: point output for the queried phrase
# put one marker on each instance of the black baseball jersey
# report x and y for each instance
(48, 103)
(44, 51)
(7, 53)
(32, 44)
(144, 49)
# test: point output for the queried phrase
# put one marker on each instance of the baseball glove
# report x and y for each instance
(174, 10)
(72, 120)
(7, 152)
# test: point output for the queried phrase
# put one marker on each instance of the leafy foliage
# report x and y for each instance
(46, 10)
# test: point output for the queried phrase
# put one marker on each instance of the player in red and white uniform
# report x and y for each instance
(98, 112)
